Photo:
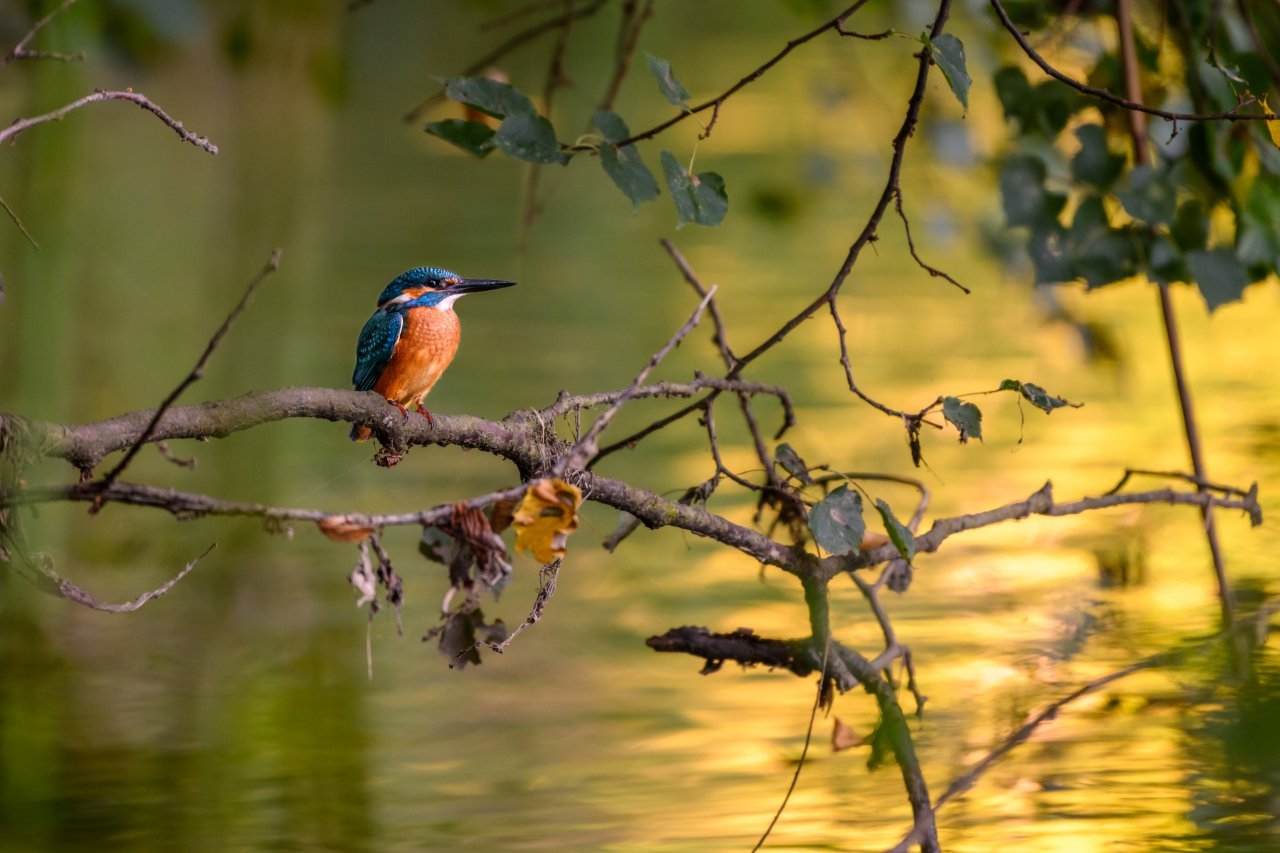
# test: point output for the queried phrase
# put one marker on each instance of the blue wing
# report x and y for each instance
(377, 342)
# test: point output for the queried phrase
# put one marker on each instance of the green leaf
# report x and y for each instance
(699, 198)
(612, 126)
(675, 93)
(1048, 249)
(489, 96)
(624, 166)
(529, 136)
(1219, 275)
(1014, 91)
(787, 457)
(1036, 395)
(1026, 201)
(901, 537)
(1190, 229)
(966, 417)
(1041, 398)
(1149, 195)
(474, 137)
(948, 52)
(1165, 263)
(1094, 164)
(1099, 253)
(837, 523)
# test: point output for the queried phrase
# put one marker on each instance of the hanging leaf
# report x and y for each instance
(791, 462)
(903, 539)
(1094, 164)
(531, 137)
(948, 52)
(1037, 396)
(1219, 275)
(546, 517)
(699, 198)
(1149, 194)
(1273, 127)
(490, 97)
(836, 522)
(966, 417)
(624, 165)
(471, 136)
(341, 528)
(675, 93)
(844, 737)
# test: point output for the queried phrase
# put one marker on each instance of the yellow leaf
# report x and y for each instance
(545, 518)
(1273, 127)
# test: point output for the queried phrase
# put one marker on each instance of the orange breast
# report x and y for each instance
(426, 346)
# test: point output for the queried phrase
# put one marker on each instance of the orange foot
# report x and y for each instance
(402, 409)
(431, 422)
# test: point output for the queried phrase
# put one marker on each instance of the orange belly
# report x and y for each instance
(426, 346)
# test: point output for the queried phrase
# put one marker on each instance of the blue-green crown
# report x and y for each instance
(417, 277)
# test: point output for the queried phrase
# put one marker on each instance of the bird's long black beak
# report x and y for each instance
(475, 285)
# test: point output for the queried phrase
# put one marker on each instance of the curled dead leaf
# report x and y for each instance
(340, 528)
(844, 737)
(545, 518)
(873, 539)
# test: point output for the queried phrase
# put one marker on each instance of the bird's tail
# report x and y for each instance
(360, 432)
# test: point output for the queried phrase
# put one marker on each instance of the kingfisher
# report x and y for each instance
(411, 338)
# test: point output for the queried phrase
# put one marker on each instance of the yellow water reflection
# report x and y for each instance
(236, 711)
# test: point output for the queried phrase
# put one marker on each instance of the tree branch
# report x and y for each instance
(271, 266)
(1103, 94)
(22, 124)
(20, 49)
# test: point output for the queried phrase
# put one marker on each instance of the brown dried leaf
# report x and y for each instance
(340, 528)
(873, 539)
(501, 514)
(843, 737)
(546, 516)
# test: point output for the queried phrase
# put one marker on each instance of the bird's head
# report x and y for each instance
(434, 287)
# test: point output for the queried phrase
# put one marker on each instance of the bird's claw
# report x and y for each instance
(402, 409)
(430, 420)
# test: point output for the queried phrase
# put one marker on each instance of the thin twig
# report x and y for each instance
(20, 49)
(142, 101)
(516, 14)
(714, 103)
(911, 246)
(515, 41)
(804, 752)
(865, 237)
(546, 588)
(1137, 128)
(1103, 94)
(1175, 475)
(586, 446)
(16, 221)
(631, 25)
(72, 592)
(196, 373)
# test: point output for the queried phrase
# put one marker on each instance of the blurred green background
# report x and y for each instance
(235, 713)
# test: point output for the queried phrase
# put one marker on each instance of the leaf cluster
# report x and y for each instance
(1202, 210)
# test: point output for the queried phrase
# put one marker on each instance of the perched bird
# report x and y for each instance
(410, 340)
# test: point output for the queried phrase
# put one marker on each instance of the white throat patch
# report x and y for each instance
(447, 303)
